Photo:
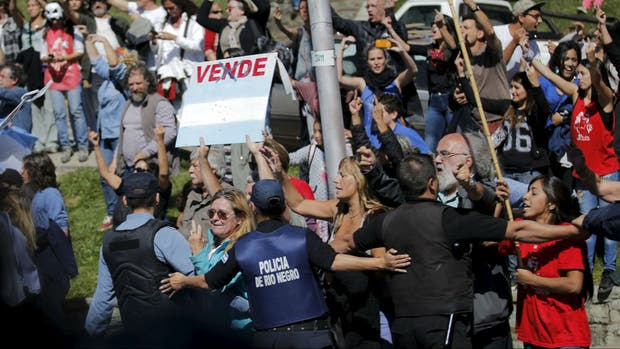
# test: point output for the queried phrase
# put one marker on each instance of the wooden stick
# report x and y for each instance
(485, 126)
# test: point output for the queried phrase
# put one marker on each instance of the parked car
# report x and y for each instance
(418, 16)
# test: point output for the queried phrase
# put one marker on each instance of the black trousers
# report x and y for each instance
(317, 339)
(431, 332)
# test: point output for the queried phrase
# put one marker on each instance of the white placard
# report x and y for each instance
(226, 99)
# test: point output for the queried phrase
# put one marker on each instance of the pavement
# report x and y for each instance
(73, 164)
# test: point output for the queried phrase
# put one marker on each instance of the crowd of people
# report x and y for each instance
(414, 249)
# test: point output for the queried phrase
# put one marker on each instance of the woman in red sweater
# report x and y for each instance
(555, 280)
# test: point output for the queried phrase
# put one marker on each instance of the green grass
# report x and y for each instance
(81, 190)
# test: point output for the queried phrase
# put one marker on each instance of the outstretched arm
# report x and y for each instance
(531, 231)
(566, 86)
(120, 4)
(604, 93)
(321, 209)
(110, 177)
(277, 16)
(162, 158)
(349, 82)
(406, 76)
(208, 177)
(482, 19)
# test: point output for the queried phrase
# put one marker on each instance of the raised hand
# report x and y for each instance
(196, 243)
(345, 42)
(367, 159)
(254, 147)
(203, 150)
(277, 13)
(439, 18)
(272, 159)
(601, 16)
(355, 106)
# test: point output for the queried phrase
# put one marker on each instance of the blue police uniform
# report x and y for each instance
(286, 303)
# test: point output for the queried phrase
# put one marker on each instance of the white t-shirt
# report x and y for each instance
(512, 66)
(104, 29)
(157, 17)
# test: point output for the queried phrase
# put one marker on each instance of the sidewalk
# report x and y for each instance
(73, 164)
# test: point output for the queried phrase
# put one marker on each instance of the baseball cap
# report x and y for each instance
(267, 195)
(522, 6)
(140, 185)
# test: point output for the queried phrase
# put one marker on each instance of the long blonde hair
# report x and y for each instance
(368, 202)
(242, 210)
(18, 209)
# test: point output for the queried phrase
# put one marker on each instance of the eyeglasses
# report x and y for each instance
(223, 215)
(171, 8)
(536, 16)
(446, 154)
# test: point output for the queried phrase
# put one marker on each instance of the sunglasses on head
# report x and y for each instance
(220, 213)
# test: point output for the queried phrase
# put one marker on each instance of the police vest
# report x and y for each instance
(136, 272)
(439, 281)
(282, 288)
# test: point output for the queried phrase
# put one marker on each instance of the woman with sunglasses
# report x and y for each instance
(231, 218)
(108, 174)
(555, 280)
(351, 296)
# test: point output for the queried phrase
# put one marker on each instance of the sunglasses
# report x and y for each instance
(223, 215)
(216, 12)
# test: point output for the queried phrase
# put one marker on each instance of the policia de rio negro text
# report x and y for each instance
(276, 263)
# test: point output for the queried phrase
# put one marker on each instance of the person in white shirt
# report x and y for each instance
(513, 36)
(177, 47)
(147, 9)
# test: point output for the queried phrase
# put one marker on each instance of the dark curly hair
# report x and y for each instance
(186, 6)
(41, 171)
(148, 77)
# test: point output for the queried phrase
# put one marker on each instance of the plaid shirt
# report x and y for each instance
(11, 36)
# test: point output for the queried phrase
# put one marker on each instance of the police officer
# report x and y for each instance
(133, 259)
(276, 260)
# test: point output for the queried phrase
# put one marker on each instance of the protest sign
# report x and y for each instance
(227, 99)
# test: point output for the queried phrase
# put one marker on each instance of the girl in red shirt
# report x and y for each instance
(592, 131)
(555, 280)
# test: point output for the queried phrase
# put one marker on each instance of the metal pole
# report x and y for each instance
(324, 61)
(485, 126)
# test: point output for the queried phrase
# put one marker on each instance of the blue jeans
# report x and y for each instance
(108, 146)
(60, 113)
(438, 117)
(587, 202)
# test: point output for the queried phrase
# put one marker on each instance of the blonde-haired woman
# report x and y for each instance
(231, 218)
(352, 296)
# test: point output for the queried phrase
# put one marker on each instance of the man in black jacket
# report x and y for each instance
(433, 300)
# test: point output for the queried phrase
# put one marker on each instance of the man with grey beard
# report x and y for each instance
(142, 113)
(459, 184)
(199, 198)
(465, 172)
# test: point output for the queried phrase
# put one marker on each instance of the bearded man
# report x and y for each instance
(143, 112)
(465, 174)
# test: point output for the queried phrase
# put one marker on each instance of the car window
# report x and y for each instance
(498, 15)
(420, 14)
